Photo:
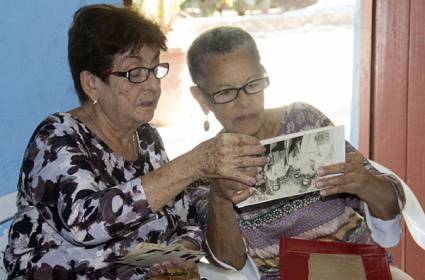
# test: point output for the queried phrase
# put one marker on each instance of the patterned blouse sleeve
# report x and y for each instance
(198, 192)
(188, 225)
(62, 183)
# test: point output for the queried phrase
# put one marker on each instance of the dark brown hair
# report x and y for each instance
(98, 32)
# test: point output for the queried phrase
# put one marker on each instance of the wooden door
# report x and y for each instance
(392, 101)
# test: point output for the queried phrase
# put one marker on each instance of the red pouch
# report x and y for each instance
(310, 259)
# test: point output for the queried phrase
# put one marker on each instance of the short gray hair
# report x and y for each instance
(217, 41)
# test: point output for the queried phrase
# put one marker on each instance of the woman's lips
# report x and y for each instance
(246, 117)
(148, 104)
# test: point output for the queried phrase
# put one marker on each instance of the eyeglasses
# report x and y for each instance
(229, 94)
(140, 74)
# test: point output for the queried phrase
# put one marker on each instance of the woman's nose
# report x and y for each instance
(244, 100)
(152, 82)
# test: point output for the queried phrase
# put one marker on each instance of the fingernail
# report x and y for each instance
(252, 181)
(319, 184)
(320, 171)
(251, 190)
(322, 193)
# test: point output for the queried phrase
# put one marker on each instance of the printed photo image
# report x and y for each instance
(293, 160)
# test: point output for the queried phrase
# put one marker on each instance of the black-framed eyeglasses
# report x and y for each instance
(229, 94)
(140, 74)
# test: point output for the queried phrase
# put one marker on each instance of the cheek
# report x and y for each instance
(224, 114)
(128, 95)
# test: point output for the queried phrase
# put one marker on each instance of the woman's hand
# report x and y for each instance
(231, 190)
(355, 179)
(224, 155)
(351, 176)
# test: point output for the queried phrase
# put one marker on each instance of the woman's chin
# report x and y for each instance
(248, 130)
(145, 116)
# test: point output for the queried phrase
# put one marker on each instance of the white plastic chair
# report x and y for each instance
(213, 272)
(7, 211)
(413, 213)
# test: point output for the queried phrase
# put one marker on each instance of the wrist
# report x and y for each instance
(193, 165)
(217, 198)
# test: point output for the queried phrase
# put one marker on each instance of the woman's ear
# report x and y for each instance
(89, 85)
(203, 102)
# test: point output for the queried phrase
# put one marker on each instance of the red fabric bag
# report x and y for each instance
(296, 260)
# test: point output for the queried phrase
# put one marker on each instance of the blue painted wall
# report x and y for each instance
(34, 75)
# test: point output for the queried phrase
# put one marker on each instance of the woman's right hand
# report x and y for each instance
(235, 192)
(227, 155)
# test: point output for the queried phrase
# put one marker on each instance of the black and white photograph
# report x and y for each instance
(293, 160)
(146, 254)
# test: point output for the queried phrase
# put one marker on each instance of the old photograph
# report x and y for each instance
(293, 160)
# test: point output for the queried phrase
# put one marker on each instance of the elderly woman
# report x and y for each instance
(359, 206)
(95, 181)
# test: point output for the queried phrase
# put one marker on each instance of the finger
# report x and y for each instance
(244, 150)
(178, 263)
(331, 190)
(250, 171)
(250, 161)
(166, 264)
(155, 269)
(233, 186)
(239, 177)
(328, 191)
(331, 169)
(333, 181)
(242, 195)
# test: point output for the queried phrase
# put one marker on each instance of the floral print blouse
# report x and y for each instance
(81, 206)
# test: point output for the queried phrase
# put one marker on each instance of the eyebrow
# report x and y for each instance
(225, 86)
(140, 59)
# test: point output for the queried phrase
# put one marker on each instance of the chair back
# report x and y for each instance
(7, 211)
(412, 212)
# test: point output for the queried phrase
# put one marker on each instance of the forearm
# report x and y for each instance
(381, 198)
(223, 233)
(164, 183)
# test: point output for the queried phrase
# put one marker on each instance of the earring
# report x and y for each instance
(206, 124)
(95, 101)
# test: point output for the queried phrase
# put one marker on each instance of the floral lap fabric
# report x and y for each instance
(81, 206)
(337, 218)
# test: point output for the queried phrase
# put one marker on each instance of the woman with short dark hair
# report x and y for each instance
(96, 181)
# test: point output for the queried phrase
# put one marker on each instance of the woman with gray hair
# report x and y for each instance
(359, 206)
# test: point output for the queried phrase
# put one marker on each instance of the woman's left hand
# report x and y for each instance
(352, 177)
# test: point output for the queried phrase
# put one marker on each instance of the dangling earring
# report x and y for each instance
(95, 101)
(206, 123)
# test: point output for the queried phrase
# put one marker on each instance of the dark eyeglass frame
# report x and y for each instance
(127, 75)
(238, 89)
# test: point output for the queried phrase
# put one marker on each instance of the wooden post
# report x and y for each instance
(128, 3)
